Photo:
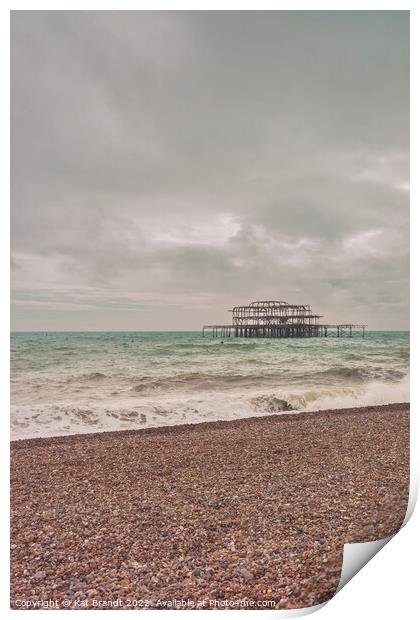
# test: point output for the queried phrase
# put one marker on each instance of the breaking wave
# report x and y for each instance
(64, 419)
(196, 381)
(127, 380)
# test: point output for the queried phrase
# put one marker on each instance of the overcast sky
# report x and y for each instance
(169, 165)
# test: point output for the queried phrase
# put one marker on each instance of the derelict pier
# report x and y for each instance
(279, 319)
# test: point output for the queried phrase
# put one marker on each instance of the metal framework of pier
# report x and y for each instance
(279, 319)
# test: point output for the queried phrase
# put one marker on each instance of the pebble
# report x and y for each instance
(246, 574)
(255, 508)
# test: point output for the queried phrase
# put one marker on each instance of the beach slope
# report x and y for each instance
(255, 509)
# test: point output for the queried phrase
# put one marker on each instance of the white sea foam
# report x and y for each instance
(46, 419)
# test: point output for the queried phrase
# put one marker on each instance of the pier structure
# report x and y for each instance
(279, 319)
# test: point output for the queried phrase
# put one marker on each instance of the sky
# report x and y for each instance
(166, 166)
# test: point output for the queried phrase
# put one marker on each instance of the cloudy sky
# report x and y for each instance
(169, 165)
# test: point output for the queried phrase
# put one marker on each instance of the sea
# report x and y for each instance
(82, 382)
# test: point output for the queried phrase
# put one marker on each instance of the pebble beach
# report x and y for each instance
(249, 513)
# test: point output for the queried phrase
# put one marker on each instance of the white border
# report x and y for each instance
(386, 586)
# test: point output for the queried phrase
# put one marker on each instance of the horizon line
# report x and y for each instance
(143, 331)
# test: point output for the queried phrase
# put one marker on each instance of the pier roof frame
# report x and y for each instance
(271, 304)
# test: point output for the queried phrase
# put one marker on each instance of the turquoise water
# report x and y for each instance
(65, 383)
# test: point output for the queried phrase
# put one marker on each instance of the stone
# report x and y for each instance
(246, 574)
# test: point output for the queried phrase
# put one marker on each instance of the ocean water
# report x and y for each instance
(65, 383)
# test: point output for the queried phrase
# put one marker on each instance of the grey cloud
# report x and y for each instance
(193, 160)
